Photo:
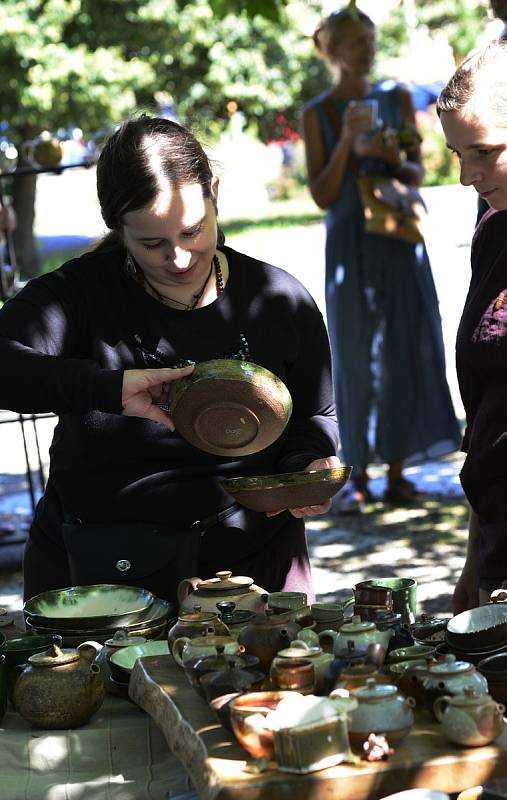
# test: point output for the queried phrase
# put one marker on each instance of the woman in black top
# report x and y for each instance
(473, 113)
(97, 342)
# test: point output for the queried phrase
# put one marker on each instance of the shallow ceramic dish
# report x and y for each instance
(90, 606)
(156, 614)
(230, 407)
(73, 639)
(416, 651)
(126, 657)
(479, 627)
(288, 489)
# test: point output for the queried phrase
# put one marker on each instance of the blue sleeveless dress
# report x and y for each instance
(385, 329)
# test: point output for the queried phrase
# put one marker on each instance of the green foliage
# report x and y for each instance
(462, 21)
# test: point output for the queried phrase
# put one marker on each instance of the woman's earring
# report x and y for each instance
(131, 267)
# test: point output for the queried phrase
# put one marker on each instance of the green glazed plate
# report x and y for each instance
(229, 407)
(89, 606)
(126, 657)
(288, 489)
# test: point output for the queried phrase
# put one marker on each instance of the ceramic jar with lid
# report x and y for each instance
(196, 670)
(224, 586)
(59, 688)
(319, 660)
(234, 618)
(470, 719)
(381, 709)
(450, 677)
(196, 623)
(361, 634)
(266, 635)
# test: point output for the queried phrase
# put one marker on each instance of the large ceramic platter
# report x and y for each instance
(89, 606)
(288, 489)
(229, 407)
(156, 614)
(126, 657)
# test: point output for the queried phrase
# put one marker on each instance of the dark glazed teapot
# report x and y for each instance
(266, 634)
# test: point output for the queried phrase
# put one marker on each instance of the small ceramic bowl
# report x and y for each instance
(416, 651)
(494, 669)
(126, 657)
(220, 707)
(257, 740)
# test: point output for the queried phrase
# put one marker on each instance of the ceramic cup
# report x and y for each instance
(281, 602)
(404, 596)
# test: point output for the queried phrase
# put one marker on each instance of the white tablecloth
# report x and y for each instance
(119, 755)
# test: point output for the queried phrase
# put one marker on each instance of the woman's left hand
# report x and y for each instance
(312, 511)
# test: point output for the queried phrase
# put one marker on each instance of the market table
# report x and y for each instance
(216, 762)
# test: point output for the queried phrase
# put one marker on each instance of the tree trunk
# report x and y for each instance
(23, 200)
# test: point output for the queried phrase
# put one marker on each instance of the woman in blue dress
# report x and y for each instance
(383, 318)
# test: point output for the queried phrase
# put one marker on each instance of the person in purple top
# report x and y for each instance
(473, 112)
(99, 341)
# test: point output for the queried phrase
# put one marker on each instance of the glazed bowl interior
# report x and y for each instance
(81, 607)
(257, 740)
(17, 651)
(126, 657)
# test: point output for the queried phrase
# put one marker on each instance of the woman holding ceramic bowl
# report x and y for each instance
(99, 342)
(473, 112)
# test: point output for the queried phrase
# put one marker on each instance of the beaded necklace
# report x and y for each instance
(135, 270)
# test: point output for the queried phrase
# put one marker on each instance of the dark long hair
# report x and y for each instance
(336, 24)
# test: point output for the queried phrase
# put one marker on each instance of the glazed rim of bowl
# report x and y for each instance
(478, 626)
(97, 601)
(283, 479)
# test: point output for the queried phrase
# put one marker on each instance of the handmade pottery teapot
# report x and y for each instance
(102, 653)
(361, 634)
(186, 650)
(224, 586)
(470, 719)
(381, 709)
(196, 623)
(449, 677)
(59, 688)
(319, 659)
(266, 635)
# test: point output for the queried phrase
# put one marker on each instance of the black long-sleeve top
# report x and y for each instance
(66, 339)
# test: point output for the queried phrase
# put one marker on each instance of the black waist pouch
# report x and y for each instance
(136, 554)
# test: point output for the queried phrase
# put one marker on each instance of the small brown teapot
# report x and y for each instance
(59, 688)
(196, 623)
(266, 635)
(224, 586)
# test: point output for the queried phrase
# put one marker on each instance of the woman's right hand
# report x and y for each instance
(145, 390)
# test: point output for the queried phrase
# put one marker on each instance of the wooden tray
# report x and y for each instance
(216, 762)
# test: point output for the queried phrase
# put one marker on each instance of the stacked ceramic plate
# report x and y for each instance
(478, 633)
(79, 613)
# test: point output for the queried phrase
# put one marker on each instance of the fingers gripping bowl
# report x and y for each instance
(287, 490)
(229, 407)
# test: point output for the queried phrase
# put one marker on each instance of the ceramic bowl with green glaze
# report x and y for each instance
(287, 490)
(229, 407)
(126, 657)
(86, 607)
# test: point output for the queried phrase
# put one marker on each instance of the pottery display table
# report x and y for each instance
(216, 762)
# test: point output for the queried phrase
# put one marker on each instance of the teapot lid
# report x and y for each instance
(54, 656)
(122, 639)
(230, 615)
(357, 626)
(225, 581)
(373, 692)
(197, 615)
(469, 697)
(449, 666)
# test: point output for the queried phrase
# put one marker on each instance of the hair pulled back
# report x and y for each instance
(483, 76)
(141, 158)
(334, 27)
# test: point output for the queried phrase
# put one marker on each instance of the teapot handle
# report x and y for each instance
(186, 587)
(178, 646)
(440, 705)
(326, 635)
